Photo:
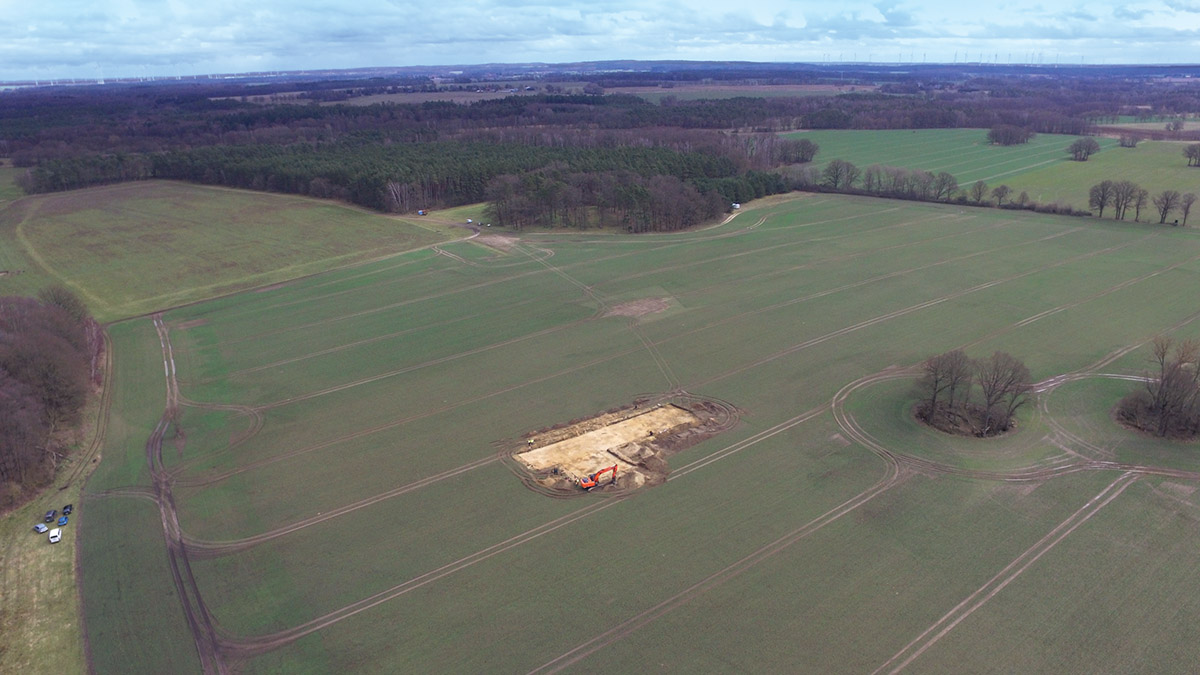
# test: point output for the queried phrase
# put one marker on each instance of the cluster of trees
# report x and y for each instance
(978, 397)
(1008, 134)
(1169, 402)
(1192, 153)
(1083, 148)
(49, 349)
(555, 197)
(1124, 194)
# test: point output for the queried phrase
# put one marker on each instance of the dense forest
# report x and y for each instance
(548, 155)
(49, 353)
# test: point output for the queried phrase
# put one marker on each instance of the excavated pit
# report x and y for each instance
(637, 439)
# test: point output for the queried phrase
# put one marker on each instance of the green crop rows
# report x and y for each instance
(334, 464)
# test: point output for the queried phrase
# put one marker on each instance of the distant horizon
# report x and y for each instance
(118, 39)
(551, 67)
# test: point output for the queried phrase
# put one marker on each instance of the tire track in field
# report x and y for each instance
(351, 345)
(247, 647)
(907, 310)
(1004, 577)
(673, 243)
(1086, 255)
(893, 476)
(210, 549)
(732, 571)
(199, 619)
(213, 479)
(737, 317)
(900, 467)
(419, 366)
(200, 548)
(848, 425)
(853, 256)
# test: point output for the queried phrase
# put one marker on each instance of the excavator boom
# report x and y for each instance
(594, 479)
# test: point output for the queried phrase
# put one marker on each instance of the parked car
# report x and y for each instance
(40, 528)
(68, 509)
(50, 515)
(62, 521)
(55, 535)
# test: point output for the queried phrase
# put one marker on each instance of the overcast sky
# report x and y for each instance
(42, 39)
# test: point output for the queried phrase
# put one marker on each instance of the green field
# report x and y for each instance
(333, 460)
(132, 248)
(1040, 168)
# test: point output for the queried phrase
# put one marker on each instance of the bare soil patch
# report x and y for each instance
(497, 241)
(643, 307)
(637, 438)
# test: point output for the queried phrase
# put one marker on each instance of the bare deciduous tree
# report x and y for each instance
(1101, 195)
(945, 382)
(1005, 385)
(978, 190)
(1192, 153)
(1166, 202)
(1172, 389)
(1185, 205)
(1124, 192)
(1000, 193)
(840, 174)
(1139, 202)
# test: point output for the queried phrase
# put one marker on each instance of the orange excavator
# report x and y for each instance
(594, 479)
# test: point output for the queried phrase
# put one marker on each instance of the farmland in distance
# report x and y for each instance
(1041, 168)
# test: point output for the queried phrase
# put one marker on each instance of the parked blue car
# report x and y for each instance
(62, 521)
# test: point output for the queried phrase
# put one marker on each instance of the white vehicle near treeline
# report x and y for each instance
(55, 535)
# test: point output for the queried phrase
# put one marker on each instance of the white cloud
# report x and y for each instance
(154, 37)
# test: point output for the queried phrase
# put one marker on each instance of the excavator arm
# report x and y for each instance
(594, 479)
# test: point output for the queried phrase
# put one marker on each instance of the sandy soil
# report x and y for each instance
(617, 443)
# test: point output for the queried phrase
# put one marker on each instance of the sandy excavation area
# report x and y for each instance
(627, 443)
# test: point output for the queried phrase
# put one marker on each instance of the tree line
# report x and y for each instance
(557, 197)
(976, 397)
(49, 353)
(1123, 195)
